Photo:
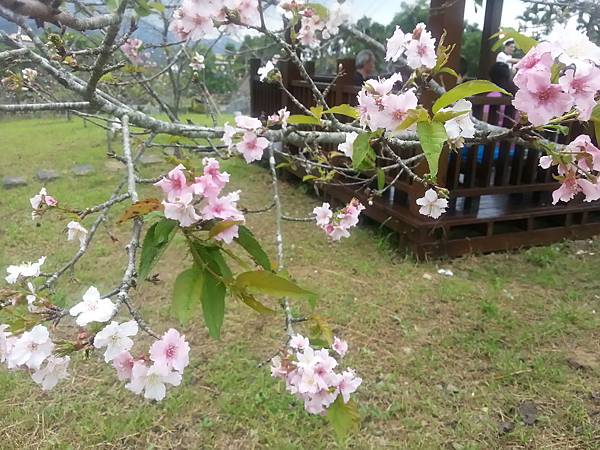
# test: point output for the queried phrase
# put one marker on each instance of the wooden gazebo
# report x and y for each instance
(500, 197)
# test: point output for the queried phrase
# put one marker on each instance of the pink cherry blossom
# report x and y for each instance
(172, 350)
(539, 59)
(347, 147)
(131, 48)
(348, 384)
(229, 133)
(299, 342)
(252, 147)
(396, 45)
(248, 123)
(152, 381)
(115, 337)
(123, 363)
(24, 270)
(5, 345)
(212, 169)
(340, 346)
(224, 207)
(323, 214)
(382, 86)
(431, 205)
(582, 85)
(367, 106)
(396, 107)
(175, 185)
(31, 348)
(92, 308)
(460, 126)
(420, 50)
(542, 100)
(41, 199)
(184, 213)
(54, 371)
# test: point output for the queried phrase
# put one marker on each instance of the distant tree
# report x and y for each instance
(471, 44)
(541, 16)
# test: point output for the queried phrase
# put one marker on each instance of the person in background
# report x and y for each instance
(365, 66)
(506, 55)
(501, 75)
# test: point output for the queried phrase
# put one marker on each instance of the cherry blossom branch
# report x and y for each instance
(56, 106)
(105, 52)
(42, 12)
(8, 54)
(130, 275)
(285, 305)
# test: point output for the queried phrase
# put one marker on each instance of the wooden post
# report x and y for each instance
(491, 25)
(347, 79)
(254, 65)
(448, 16)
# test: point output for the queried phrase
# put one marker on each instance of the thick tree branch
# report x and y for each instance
(43, 12)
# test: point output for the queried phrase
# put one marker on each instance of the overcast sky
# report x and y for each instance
(383, 11)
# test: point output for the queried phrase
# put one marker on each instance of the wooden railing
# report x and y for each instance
(499, 194)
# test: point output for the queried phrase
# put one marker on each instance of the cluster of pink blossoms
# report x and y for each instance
(244, 138)
(310, 374)
(543, 97)
(380, 108)
(418, 47)
(190, 202)
(131, 49)
(579, 156)
(168, 357)
(337, 224)
(32, 351)
(40, 201)
(197, 19)
(314, 27)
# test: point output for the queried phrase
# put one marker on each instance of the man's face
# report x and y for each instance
(369, 67)
(509, 49)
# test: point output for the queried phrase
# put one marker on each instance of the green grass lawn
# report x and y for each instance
(447, 362)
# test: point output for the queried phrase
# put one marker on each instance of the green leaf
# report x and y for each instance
(249, 243)
(316, 110)
(363, 155)
(432, 136)
(211, 258)
(264, 282)
(187, 293)
(463, 90)
(299, 119)
(257, 306)
(419, 114)
(213, 304)
(344, 110)
(449, 71)
(444, 116)
(320, 10)
(343, 417)
(525, 43)
(155, 243)
(595, 119)
(380, 179)
(321, 330)
(158, 6)
(306, 178)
